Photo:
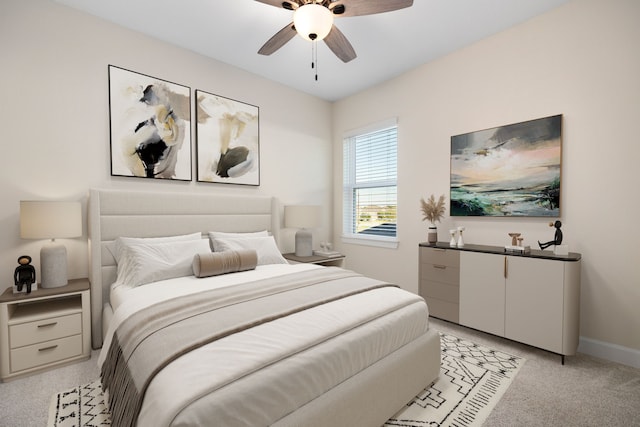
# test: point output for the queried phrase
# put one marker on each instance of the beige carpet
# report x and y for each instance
(472, 379)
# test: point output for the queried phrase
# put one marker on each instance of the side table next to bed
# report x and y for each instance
(336, 261)
(44, 329)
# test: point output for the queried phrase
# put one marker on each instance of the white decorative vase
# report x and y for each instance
(432, 234)
(453, 241)
(460, 239)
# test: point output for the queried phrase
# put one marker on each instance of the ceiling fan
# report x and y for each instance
(313, 20)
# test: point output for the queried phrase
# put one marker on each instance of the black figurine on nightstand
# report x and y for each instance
(25, 273)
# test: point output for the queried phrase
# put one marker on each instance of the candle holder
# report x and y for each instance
(516, 245)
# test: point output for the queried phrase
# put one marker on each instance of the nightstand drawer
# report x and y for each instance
(44, 353)
(44, 330)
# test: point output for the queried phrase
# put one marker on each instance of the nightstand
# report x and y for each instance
(336, 261)
(44, 329)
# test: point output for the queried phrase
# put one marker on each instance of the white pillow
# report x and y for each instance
(224, 234)
(213, 235)
(265, 246)
(123, 242)
(150, 262)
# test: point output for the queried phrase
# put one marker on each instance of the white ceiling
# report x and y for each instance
(387, 44)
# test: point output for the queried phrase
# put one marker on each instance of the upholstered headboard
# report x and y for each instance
(115, 213)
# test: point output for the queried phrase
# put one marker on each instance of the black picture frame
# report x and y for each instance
(227, 140)
(150, 126)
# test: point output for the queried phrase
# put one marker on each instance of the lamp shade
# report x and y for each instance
(302, 216)
(313, 21)
(50, 219)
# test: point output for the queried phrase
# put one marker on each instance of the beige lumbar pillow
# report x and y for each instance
(216, 263)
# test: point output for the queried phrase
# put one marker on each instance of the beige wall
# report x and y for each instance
(55, 120)
(581, 60)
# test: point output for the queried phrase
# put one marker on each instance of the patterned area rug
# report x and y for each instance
(82, 406)
(472, 380)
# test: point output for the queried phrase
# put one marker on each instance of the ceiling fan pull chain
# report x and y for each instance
(315, 50)
(314, 58)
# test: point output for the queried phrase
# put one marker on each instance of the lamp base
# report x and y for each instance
(53, 265)
(304, 243)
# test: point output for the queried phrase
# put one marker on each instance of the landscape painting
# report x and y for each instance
(150, 122)
(511, 170)
(227, 140)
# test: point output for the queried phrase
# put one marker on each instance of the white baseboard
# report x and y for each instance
(613, 352)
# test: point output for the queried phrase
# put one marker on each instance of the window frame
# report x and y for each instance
(349, 235)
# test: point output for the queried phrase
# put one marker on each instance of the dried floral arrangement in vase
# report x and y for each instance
(433, 212)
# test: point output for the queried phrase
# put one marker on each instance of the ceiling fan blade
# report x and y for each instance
(339, 45)
(278, 40)
(367, 7)
(286, 4)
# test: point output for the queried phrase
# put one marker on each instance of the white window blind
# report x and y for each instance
(370, 183)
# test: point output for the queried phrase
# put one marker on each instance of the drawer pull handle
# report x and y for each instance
(440, 267)
(48, 348)
(46, 325)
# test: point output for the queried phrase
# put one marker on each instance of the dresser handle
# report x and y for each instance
(440, 267)
(48, 348)
(48, 324)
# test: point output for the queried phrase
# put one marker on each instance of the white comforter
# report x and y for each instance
(234, 381)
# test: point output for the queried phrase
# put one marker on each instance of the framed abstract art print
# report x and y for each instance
(227, 140)
(150, 124)
(511, 170)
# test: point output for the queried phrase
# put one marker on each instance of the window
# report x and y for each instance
(370, 185)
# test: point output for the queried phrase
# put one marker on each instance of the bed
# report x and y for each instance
(293, 345)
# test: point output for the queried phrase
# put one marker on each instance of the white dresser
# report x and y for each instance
(533, 298)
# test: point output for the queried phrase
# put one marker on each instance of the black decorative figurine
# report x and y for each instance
(25, 273)
(557, 239)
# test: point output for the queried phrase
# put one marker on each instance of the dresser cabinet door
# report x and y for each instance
(482, 293)
(534, 302)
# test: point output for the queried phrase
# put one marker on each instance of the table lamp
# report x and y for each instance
(302, 217)
(51, 220)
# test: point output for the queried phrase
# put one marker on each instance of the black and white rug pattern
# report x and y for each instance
(472, 380)
(82, 406)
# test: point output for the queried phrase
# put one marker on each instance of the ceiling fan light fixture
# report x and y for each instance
(313, 21)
